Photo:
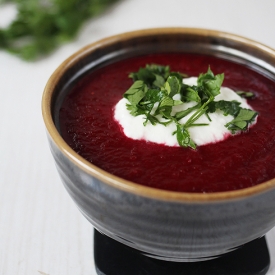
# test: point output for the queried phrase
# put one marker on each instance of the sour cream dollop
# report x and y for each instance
(214, 132)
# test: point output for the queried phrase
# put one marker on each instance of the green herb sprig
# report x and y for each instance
(152, 95)
(42, 25)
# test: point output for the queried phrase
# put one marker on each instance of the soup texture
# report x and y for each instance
(87, 124)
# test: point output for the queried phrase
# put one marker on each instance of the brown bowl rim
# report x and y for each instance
(125, 185)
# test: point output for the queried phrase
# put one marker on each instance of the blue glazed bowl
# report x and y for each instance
(162, 224)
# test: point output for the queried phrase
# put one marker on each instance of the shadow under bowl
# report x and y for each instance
(167, 225)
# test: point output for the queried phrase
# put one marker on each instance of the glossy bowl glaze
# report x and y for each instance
(163, 224)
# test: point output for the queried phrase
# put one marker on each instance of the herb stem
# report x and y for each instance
(198, 113)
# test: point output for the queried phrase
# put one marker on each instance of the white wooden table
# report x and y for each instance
(41, 230)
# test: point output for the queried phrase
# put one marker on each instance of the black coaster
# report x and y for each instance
(114, 258)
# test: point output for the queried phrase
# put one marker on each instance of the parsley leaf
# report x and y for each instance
(184, 138)
(189, 94)
(172, 86)
(242, 117)
(228, 107)
(136, 92)
(210, 84)
(241, 121)
(245, 94)
(153, 75)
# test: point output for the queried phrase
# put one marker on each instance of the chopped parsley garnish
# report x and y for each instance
(245, 94)
(153, 95)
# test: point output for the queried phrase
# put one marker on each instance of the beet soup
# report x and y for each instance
(87, 124)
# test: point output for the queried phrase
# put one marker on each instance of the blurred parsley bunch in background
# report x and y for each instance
(42, 25)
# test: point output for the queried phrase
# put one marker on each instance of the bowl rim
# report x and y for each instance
(129, 186)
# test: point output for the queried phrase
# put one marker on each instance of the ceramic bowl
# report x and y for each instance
(162, 224)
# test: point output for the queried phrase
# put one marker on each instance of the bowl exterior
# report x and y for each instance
(158, 225)
(166, 230)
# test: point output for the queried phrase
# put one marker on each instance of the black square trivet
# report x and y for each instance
(114, 258)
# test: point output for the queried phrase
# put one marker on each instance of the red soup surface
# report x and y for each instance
(240, 161)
